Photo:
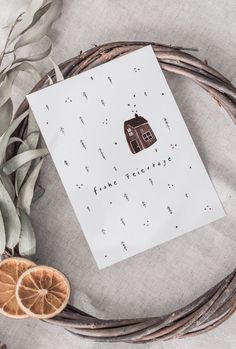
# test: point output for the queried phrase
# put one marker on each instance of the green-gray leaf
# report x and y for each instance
(5, 138)
(42, 26)
(30, 143)
(38, 57)
(27, 243)
(8, 184)
(27, 18)
(9, 77)
(5, 115)
(32, 125)
(58, 73)
(20, 159)
(50, 82)
(27, 191)
(2, 235)
(10, 218)
(14, 140)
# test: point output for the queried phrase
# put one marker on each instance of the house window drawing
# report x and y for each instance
(130, 133)
(147, 136)
(139, 134)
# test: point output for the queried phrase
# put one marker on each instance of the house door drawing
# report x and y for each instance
(139, 134)
(135, 146)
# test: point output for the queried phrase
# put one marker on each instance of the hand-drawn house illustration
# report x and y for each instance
(139, 134)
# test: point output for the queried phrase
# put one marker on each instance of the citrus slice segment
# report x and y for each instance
(10, 271)
(42, 292)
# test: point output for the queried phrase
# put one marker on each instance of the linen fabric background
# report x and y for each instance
(173, 274)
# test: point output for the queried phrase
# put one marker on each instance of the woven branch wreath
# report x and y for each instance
(218, 303)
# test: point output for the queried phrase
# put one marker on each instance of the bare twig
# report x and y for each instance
(218, 303)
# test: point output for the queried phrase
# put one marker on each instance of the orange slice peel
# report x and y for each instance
(42, 292)
(10, 271)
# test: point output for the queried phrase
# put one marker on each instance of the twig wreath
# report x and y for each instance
(217, 304)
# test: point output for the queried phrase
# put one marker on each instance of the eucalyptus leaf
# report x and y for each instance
(10, 75)
(50, 82)
(14, 140)
(20, 159)
(58, 73)
(32, 125)
(2, 235)
(27, 191)
(27, 18)
(8, 185)
(10, 218)
(5, 138)
(6, 111)
(27, 243)
(42, 26)
(30, 142)
(38, 57)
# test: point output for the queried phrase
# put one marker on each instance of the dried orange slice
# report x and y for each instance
(42, 292)
(10, 271)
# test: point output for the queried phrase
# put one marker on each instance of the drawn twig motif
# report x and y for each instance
(122, 221)
(151, 181)
(85, 95)
(126, 197)
(124, 246)
(83, 144)
(102, 154)
(169, 209)
(167, 123)
(110, 79)
(81, 119)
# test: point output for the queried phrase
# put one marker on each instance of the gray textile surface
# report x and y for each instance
(171, 275)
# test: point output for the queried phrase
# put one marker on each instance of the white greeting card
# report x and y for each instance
(125, 157)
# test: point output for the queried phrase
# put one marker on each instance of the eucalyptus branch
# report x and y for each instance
(16, 234)
(18, 19)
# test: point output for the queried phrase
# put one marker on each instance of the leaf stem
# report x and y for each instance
(9, 36)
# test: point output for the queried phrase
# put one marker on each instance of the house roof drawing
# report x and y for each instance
(137, 121)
